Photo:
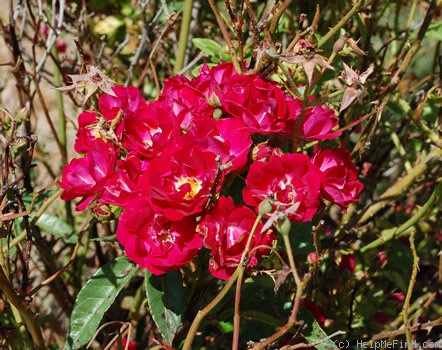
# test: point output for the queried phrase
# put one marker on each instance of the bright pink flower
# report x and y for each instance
(398, 297)
(234, 133)
(261, 105)
(341, 176)
(313, 258)
(122, 186)
(228, 138)
(219, 74)
(150, 129)
(262, 152)
(381, 260)
(181, 181)
(86, 132)
(128, 99)
(287, 181)
(226, 229)
(86, 177)
(155, 243)
(318, 124)
(188, 103)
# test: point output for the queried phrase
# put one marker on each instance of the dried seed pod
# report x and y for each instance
(340, 43)
(354, 45)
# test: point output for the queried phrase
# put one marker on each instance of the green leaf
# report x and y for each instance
(313, 333)
(95, 298)
(210, 47)
(57, 227)
(165, 298)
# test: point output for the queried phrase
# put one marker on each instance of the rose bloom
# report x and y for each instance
(226, 229)
(122, 186)
(188, 103)
(261, 105)
(128, 99)
(262, 152)
(341, 184)
(318, 124)
(228, 138)
(288, 180)
(150, 129)
(155, 243)
(86, 177)
(181, 181)
(86, 132)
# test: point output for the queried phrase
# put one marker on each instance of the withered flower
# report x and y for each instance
(306, 54)
(89, 82)
(354, 83)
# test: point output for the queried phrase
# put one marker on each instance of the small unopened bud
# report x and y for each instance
(265, 207)
(284, 226)
(103, 213)
(213, 100)
(217, 113)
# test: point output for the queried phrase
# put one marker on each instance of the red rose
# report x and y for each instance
(287, 181)
(262, 152)
(122, 186)
(341, 185)
(155, 243)
(180, 182)
(128, 99)
(318, 124)
(86, 177)
(188, 103)
(261, 105)
(150, 129)
(86, 133)
(226, 229)
(228, 138)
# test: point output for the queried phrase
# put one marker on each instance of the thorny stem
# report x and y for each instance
(410, 290)
(300, 283)
(311, 345)
(24, 310)
(289, 79)
(184, 35)
(278, 15)
(427, 326)
(226, 36)
(405, 228)
(402, 185)
(37, 215)
(416, 309)
(413, 49)
(237, 317)
(238, 273)
(356, 7)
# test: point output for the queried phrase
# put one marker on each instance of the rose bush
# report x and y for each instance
(166, 162)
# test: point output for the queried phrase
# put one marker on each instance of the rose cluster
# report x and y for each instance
(170, 164)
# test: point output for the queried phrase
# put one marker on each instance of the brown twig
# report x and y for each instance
(225, 33)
